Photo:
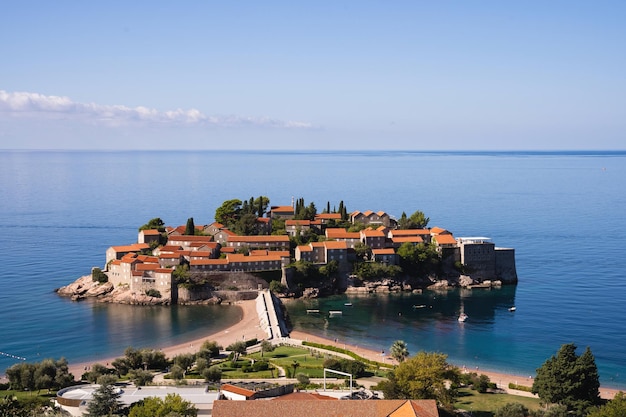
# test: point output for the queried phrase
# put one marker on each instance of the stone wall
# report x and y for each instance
(505, 265)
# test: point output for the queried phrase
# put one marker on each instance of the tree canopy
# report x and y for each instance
(613, 408)
(155, 223)
(105, 402)
(423, 376)
(171, 405)
(569, 379)
(399, 350)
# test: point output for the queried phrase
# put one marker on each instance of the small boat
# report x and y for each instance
(462, 317)
(419, 306)
(512, 308)
(312, 311)
(335, 312)
(348, 304)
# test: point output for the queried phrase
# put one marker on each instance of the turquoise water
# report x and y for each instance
(562, 212)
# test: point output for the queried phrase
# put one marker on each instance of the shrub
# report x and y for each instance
(153, 292)
(260, 366)
(99, 276)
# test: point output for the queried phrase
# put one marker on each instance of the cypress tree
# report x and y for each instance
(190, 228)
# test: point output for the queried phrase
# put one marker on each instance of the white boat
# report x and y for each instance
(348, 304)
(512, 308)
(419, 306)
(312, 311)
(335, 312)
(462, 317)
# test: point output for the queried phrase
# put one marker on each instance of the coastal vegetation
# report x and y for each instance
(569, 380)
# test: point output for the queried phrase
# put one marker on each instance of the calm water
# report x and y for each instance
(562, 212)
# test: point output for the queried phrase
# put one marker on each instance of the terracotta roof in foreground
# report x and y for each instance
(313, 408)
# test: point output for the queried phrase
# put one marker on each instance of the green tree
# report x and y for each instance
(140, 377)
(421, 259)
(329, 269)
(613, 408)
(202, 364)
(423, 376)
(238, 348)
(105, 402)
(277, 287)
(295, 365)
(266, 346)
(155, 223)
(512, 410)
(171, 405)
(569, 380)
(399, 350)
(98, 276)
(228, 212)
(418, 220)
(185, 361)
(190, 228)
(177, 372)
(11, 407)
(212, 374)
(362, 251)
(209, 349)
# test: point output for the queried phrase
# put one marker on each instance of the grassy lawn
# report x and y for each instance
(484, 405)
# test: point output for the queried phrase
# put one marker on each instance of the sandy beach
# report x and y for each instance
(248, 327)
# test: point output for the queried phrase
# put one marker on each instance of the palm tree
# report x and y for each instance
(295, 366)
(399, 351)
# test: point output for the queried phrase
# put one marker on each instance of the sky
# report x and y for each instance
(324, 75)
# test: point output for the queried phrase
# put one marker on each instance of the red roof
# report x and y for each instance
(237, 390)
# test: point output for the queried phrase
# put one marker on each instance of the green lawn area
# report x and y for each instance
(484, 405)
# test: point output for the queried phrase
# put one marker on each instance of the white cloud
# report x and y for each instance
(27, 104)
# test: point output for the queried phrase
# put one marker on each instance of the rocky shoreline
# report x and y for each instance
(85, 288)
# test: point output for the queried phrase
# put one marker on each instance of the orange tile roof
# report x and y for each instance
(444, 239)
(409, 232)
(189, 238)
(164, 271)
(237, 390)
(312, 407)
(151, 232)
(200, 254)
(263, 219)
(135, 247)
(328, 216)
(410, 239)
(146, 267)
(283, 209)
(169, 248)
(372, 233)
(305, 248)
(335, 244)
(217, 225)
(438, 230)
(368, 212)
(297, 222)
(299, 396)
(258, 252)
(339, 233)
(385, 251)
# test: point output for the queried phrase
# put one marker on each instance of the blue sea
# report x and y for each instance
(563, 212)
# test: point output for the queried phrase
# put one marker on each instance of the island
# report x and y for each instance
(294, 251)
